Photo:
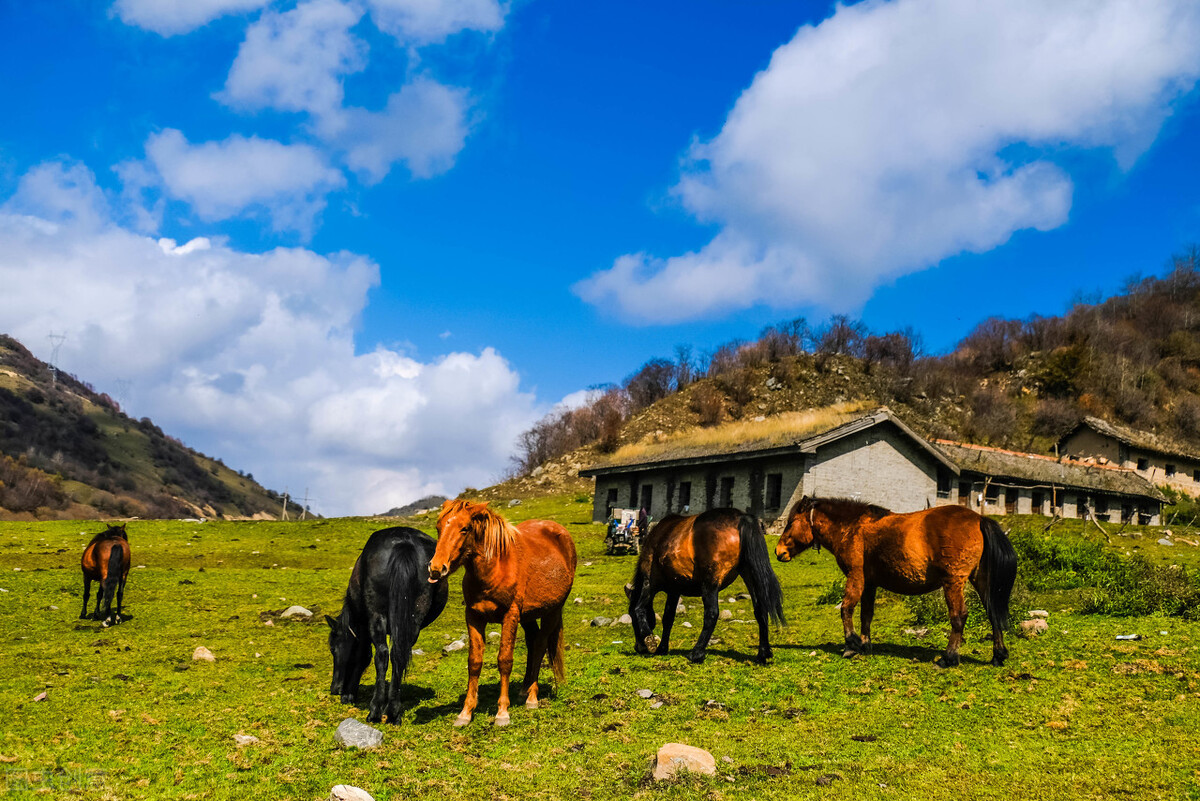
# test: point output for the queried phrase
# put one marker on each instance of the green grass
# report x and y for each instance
(1074, 714)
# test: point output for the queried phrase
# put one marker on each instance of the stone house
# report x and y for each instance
(998, 482)
(1158, 459)
(875, 458)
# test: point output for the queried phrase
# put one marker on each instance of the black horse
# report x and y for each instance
(389, 595)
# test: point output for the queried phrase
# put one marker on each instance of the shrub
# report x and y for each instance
(1135, 587)
(708, 404)
(832, 594)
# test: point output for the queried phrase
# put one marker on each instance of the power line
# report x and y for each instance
(56, 342)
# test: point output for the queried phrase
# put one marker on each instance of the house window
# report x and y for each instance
(1143, 464)
(1101, 508)
(991, 494)
(727, 491)
(647, 496)
(1038, 498)
(943, 483)
(685, 495)
(1010, 500)
(1170, 470)
(774, 490)
(610, 502)
(964, 493)
(1196, 475)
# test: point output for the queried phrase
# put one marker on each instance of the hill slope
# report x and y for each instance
(69, 452)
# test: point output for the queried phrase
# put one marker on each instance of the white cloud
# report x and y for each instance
(251, 357)
(424, 126)
(170, 17)
(896, 134)
(295, 61)
(241, 175)
(426, 21)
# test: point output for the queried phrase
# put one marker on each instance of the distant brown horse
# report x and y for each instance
(909, 554)
(514, 575)
(702, 555)
(106, 559)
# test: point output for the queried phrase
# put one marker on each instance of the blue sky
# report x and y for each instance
(415, 225)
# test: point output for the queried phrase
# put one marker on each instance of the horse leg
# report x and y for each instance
(958, 619)
(379, 638)
(866, 615)
(711, 612)
(643, 613)
(535, 648)
(87, 595)
(763, 616)
(475, 628)
(999, 649)
(854, 591)
(508, 643)
(664, 644)
(120, 598)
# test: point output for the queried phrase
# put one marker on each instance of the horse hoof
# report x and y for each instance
(947, 661)
(763, 658)
(531, 704)
(462, 720)
(696, 658)
(849, 653)
(502, 720)
(374, 717)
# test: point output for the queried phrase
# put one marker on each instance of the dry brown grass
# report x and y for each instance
(743, 435)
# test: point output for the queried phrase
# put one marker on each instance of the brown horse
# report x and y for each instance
(702, 555)
(514, 575)
(909, 554)
(106, 559)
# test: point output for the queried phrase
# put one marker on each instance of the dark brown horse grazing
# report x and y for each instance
(702, 555)
(909, 554)
(514, 575)
(106, 559)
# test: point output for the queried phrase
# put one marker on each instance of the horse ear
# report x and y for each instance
(333, 624)
(629, 591)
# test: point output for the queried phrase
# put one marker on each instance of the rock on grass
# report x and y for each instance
(675, 758)
(352, 734)
(346, 792)
(202, 654)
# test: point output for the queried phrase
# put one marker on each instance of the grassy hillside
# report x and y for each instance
(69, 452)
(1074, 714)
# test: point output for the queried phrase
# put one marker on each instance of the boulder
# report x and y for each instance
(346, 792)
(244, 739)
(726, 615)
(674, 758)
(625, 620)
(352, 734)
(296, 611)
(1035, 626)
(601, 621)
(1042, 613)
(457, 645)
(202, 654)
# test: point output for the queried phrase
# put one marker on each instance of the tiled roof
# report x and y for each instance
(1138, 439)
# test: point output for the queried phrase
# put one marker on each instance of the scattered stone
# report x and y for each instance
(244, 739)
(296, 611)
(352, 734)
(743, 596)
(675, 758)
(1035, 626)
(656, 705)
(269, 623)
(418, 652)
(645, 693)
(625, 620)
(457, 645)
(347, 792)
(1129, 636)
(514, 502)
(726, 614)
(202, 654)
(493, 635)
(1042, 613)
(680, 608)
(601, 621)
(42, 696)
(578, 600)
(686, 625)
(918, 633)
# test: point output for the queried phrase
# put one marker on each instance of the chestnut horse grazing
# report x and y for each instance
(702, 555)
(909, 554)
(106, 559)
(513, 575)
(388, 597)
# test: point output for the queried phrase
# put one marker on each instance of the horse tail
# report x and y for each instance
(116, 567)
(755, 568)
(997, 572)
(556, 644)
(403, 626)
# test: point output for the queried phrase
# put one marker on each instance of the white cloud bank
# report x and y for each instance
(170, 17)
(896, 134)
(250, 357)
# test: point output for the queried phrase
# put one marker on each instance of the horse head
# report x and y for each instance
(343, 645)
(467, 529)
(797, 534)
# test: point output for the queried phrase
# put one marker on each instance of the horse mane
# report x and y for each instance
(842, 510)
(497, 534)
(111, 533)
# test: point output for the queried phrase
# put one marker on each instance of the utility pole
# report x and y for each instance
(56, 341)
(304, 508)
(285, 500)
